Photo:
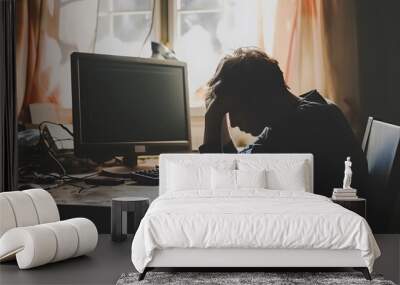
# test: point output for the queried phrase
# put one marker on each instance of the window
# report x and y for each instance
(203, 31)
(122, 27)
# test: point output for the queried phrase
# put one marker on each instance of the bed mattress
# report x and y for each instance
(250, 219)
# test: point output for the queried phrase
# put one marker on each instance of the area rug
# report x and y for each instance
(243, 278)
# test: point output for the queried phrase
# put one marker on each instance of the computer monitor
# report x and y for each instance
(126, 106)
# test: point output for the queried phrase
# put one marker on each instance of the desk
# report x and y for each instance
(95, 203)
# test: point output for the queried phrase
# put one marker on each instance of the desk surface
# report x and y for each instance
(100, 195)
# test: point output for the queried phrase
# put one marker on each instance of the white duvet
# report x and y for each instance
(250, 219)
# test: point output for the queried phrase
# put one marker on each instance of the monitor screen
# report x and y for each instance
(125, 100)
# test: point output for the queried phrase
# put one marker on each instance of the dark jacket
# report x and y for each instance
(316, 127)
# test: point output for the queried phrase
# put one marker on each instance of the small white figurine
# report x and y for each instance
(348, 173)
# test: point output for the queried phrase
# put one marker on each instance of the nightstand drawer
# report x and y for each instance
(358, 206)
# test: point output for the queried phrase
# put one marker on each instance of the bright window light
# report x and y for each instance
(122, 27)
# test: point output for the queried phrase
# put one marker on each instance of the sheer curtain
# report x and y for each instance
(28, 35)
(316, 45)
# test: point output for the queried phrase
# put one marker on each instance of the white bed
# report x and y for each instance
(248, 227)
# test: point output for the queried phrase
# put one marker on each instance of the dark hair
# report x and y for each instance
(249, 73)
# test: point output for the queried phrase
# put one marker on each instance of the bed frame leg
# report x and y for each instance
(365, 272)
(143, 274)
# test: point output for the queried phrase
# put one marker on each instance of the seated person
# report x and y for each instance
(249, 86)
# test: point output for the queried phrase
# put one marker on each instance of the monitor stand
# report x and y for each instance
(129, 163)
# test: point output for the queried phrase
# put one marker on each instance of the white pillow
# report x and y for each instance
(251, 178)
(183, 178)
(223, 179)
(184, 175)
(236, 179)
(281, 174)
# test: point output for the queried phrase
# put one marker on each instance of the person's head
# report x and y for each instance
(251, 87)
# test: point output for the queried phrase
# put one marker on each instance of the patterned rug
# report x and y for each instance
(243, 278)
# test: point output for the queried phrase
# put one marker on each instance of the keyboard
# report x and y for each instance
(146, 177)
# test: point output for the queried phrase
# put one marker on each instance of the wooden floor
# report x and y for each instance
(110, 260)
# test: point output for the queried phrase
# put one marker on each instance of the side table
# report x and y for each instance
(357, 205)
(119, 218)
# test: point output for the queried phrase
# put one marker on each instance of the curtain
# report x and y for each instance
(8, 127)
(316, 45)
(28, 43)
(48, 32)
